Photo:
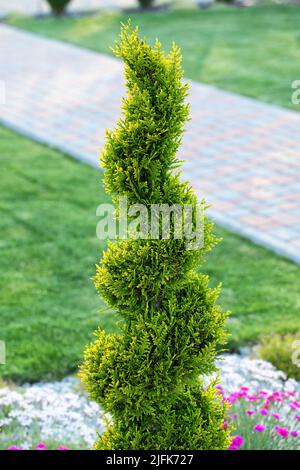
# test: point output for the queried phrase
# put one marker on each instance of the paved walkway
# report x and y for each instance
(37, 7)
(243, 155)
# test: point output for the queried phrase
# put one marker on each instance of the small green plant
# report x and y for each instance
(58, 7)
(147, 377)
(146, 3)
(283, 351)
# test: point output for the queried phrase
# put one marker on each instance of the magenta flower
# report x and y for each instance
(276, 416)
(235, 416)
(41, 446)
(259, 428)
(226, 401)
(275, 396)
(264, 412)
(283, 432)
(250, 412)
(233, 397)
(295, 405)
(252, 398)
(294, 433)
(236, 443)
(297, 417)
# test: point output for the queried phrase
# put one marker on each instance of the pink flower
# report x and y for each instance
(250, 412)
(276, 416)
(297, 417)
(41, 446)
(283, 432)
(224, 425)
(278, 396)
(226, 401)
(294, 433)
(236, 443)
(259, 428)
(294, 405)
(235, 416)
(263, 392)
(275, 396)
(233, 397)
(252, 398)
(264, 412)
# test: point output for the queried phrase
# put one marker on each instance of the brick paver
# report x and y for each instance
(241, 154)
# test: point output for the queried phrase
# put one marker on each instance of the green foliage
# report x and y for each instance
(278, 349)
(58, 6)
(146, 3)
(147, 376)
(43, 202)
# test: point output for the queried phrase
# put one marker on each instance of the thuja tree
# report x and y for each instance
(148, 376)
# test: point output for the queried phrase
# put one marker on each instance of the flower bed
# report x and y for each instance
(264, 410)
(38, 446)
(263, 420)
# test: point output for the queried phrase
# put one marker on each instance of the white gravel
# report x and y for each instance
(58, 411)
(237, 371)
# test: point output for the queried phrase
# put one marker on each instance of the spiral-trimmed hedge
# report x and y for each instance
(148, 376)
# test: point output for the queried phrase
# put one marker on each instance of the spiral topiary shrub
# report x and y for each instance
(147, 377)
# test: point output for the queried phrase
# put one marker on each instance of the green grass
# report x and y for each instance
(251, 51)
(49, 307)
(48, 246)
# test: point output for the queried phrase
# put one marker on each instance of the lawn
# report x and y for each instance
(48, 252)
(49, 307)
(251, 51)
